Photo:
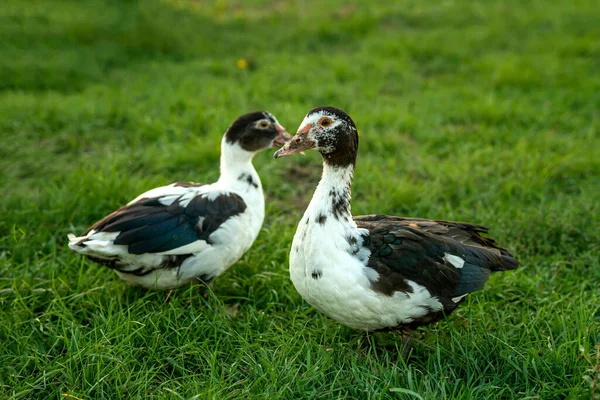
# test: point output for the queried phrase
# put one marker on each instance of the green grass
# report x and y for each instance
(487, 112)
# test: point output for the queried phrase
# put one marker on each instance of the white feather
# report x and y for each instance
(454, 260)
(459, 298)
(343, 290)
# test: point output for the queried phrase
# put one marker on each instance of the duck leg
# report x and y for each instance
(206, 288)
(407, 341)
(366, 342)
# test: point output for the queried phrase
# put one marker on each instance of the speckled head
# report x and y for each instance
(256, 131)
(328, 130)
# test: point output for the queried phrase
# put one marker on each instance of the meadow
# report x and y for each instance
(487, 112)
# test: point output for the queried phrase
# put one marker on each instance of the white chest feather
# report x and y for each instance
(328, 266)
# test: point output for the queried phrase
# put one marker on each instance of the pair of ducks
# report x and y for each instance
(372, 272)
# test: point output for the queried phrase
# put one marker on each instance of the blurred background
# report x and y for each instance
(487, 112)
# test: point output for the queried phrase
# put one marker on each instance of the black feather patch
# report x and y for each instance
(340, 204)
(248, 179)
(354, 246)
(148, 226)
(173, 261)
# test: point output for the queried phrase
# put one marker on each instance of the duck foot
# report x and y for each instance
(408, 336)
(369, 345)
(366, 343)
(206, 288)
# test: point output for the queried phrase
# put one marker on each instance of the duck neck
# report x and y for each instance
(236, 167)
(332, 196)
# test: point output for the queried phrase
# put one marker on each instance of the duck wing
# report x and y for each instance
(177, 219)
(450, 259)
(151, 225)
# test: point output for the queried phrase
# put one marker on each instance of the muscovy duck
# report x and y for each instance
(378, 272)
(173, 235)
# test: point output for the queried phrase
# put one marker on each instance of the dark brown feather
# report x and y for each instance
(414, 249)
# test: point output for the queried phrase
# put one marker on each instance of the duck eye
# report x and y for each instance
(325, 121)
(263, 124)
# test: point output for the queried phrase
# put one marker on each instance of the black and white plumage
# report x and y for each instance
(378, 272)
(175, 234)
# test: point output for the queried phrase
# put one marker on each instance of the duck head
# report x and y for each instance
(328, 130)
(256, 131)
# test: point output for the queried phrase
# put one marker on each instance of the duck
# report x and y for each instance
(378, 272)
(188, 232)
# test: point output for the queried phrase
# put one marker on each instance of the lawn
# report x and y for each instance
(487, 112)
